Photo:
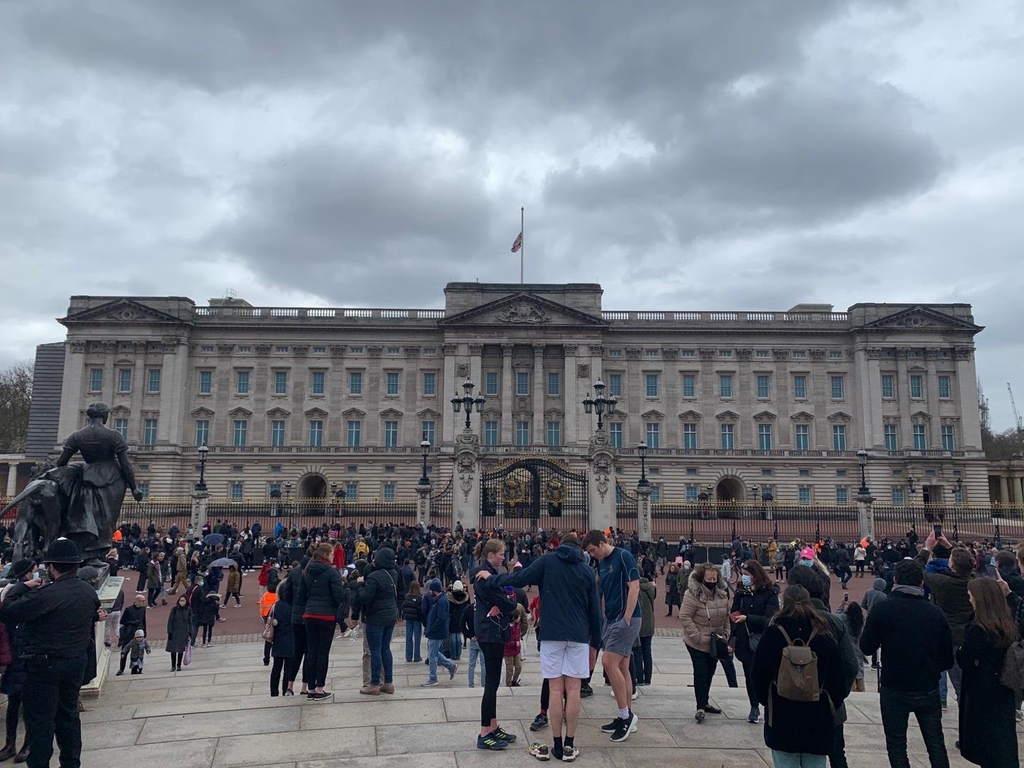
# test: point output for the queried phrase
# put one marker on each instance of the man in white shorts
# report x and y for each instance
(570, 633)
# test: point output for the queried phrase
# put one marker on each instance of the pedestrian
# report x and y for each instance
(13, 680)
(643, 659)
(860, 559)
(288, 590)
(435, 607)
(569, 632)
(513, 649)
(475, 654)
(620, 587)
(282, 648)
(379, 596)
(673, 589)
(917, 646)
(798, 727)
(154, 581)
(133, 618)
(112, 626)
(987, 724)
(458, 600)
(755, 602)
(196, 596)
(852, 616)
(179, 631)
(320, 591)
(209, 606)
(705, 620)
(412, 615)
(58, 622)
(267, 601)
(138, 649)
(233, 586)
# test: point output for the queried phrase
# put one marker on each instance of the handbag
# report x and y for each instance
(753, 638)
(719, 646)
(268, 628)
(187, 658)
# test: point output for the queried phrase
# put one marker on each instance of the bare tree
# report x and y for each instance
(15, 401)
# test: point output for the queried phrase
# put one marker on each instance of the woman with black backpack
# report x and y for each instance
(798, 676)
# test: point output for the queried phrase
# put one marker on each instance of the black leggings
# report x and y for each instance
(276, 673)
(207, 633)
(13, 710)
(703, 671)
(176, 659)
(748, 675)
(493, 657)
(291, 670)
(319, 636)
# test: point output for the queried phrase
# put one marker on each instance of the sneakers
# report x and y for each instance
(321, 696)
(540, 751)
(612, 726)
(626, 727)
(453, 670)
(943, 704)
(755, 715)
(388, 688)
(586, 691)
(632, 696)
(490, 741)
(370, 690)
(699, 717)
(514, 684)
(540, 721)
(433, 684)
(569, 754)
(504, 735)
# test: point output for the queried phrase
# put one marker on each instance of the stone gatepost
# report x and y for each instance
(601, 482)
(643, 513)
(423, 505)
(199, 499)
(866, 516)
(466, 498)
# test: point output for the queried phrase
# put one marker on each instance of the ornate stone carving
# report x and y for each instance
(932, 353)
(874, 353)
(449, 349)
(300, 350)
(817, 354)
(744, 354)
(375, 351)
(670, 354)
(462, 370)
(465, 463)
(111, 346)
(507, 350)
(140, 347)
(476, 349)
(633, 353)
(902, 353)
(79, 347)
(963, 353)
(524, 313)
(602, 464)
(596, 350)
(583, 371)
(338, 350)
(262, 350)
(707, 354)
(780, 354)
(411, 352)
(225, 349)
(523, 403)
(467, 439)
(161, 346)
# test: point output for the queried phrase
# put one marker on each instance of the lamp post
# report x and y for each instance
(862, 460)
(425, 450)
(288, 496)
(641, 450)
(467, 401)
(203, 450)
(599, 404)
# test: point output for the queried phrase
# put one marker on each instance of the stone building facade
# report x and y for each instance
(731, 403)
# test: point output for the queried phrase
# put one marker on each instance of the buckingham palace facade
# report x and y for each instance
(733, 404)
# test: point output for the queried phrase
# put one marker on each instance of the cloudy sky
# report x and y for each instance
(698, 154)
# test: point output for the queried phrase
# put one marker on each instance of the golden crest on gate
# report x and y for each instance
(512, 490)
(554, 492)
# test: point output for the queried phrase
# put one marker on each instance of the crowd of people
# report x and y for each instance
(936, 615)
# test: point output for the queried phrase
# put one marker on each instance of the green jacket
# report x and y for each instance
(648, 593)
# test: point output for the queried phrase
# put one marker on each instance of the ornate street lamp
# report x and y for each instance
(203, 450)
(425, 450)
(467, 401)
(910, 484)
(599, 404)
(641, 450)
(862, 459)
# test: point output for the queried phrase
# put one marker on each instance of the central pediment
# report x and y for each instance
(523, 309)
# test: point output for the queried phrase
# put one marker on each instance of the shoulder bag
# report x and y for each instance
(719, 646)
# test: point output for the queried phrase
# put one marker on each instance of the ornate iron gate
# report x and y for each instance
(441, 506)
(526, 493)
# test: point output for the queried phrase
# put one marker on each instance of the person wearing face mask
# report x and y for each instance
(705, 619)
(756, 601)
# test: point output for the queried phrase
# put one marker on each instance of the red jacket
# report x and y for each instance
(339, 557)
(512, 647)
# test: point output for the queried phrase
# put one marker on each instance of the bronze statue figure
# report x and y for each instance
(78, 500)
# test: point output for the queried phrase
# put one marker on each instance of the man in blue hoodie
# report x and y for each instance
(435, 626)
(569, 633)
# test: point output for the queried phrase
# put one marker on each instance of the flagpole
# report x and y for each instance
(522, 247)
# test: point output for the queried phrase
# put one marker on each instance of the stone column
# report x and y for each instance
(966, 396)
(476, 374)
(601, 482)
(466, 500)
(643, 513)
(866, 516)
(932, 393)
(12, 479)
(423, 504)
(539, 438)
(569, 397)
(199, 499)
(1004, 490)
(449, 388)
(506, 393)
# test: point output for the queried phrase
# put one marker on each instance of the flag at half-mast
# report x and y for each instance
(518, 242)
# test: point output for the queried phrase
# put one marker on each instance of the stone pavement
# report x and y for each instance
(218, 713)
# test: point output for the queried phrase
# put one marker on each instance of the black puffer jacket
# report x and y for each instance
(288, 591)
(383, 590)
(759, 607)
(320, 590)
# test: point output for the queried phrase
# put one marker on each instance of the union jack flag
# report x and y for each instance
(518, 243)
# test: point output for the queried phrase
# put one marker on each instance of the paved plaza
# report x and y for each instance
(218, 713)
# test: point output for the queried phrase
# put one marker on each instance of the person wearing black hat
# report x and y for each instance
(57, 625)
(13, 679)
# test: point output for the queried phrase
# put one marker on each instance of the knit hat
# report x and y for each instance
(19, 569)
(807, 553)
(140, 633)
(434, 585)
(458, 586)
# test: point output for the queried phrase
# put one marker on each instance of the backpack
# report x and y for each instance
(1012, 674)
(797, 679)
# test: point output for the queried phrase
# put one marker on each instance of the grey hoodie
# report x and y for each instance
(874, 596)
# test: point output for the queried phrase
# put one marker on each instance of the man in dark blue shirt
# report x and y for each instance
(620, 586)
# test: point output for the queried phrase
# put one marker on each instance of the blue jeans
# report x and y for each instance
(455, 641)
(436, 657)
(378, 638)
(413, 637)
(797, 760)
(474, 654)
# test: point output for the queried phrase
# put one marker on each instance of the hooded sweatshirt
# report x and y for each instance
(383, 589)
(875, 595)
(570, 608)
